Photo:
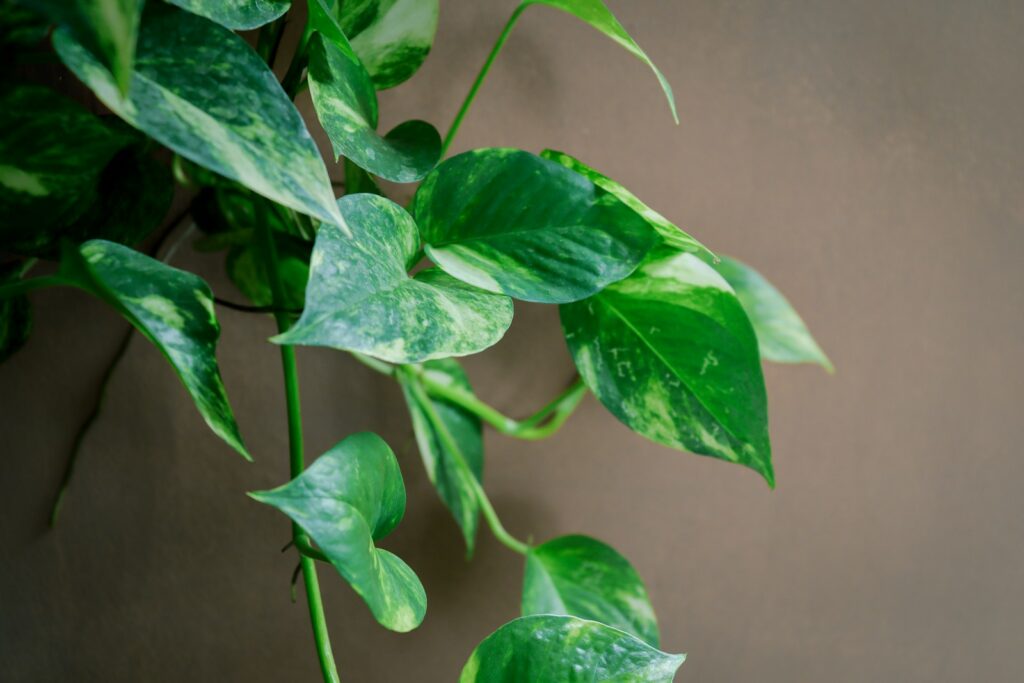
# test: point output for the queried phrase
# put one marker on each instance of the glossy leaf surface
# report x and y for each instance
(781, 334)
(561, 649)
(446, 473)
(170, 307)
(346, 104)
(238, 15)
(597, 14)
(670, 233)
(391, 37)
(508, 221)
(583, 577)
(360, 297)
(671, 353)
(15, 316)
(350, 497)
(246, 129)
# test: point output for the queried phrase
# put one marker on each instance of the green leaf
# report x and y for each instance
(508, 221)
(238, 15)
(360, 297)
(349, 498)
(595, 13)
(781, 334)
(246, 129)
(15, 316)
(170, 307)
(583, 577)
(20, 26)
(391, 37)
(246, 270)
(108, 29)
(558, 649)
(671, 353)
(446, 473)
(670, 233)
(346, 104)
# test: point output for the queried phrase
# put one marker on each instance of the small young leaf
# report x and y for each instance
(508, 221)
(346, 104)
(360, 297)
(583, 577)
(107, 28)
(15, 316)
(670, 233)
(781, 335)
(595, 13)
(170, 307)
(246, 129)
(237, 15)
(671, 353)
(445, 472)
(350, 497)
(560, 649)
(391, 37)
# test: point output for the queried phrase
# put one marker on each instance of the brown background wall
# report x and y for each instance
(867, 156)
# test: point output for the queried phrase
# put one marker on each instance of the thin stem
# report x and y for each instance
(245, 308)
(471, 95)
(269, 40)
(300, 60)
(374, 364)
(25, 286)
(316, 612)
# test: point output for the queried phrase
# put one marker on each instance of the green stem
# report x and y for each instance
(471, 95)
(25, 286)
(270, 40)
(295, 447)
(293, 78)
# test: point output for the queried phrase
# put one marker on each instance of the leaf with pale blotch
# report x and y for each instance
(446, 473)
(346, 104)
(670, 233)
(781, 334)
(391, 37)
(170, 307)
(15, 316)
(107, 28)
(509, 221)
(671, 353)
(246, 129)
(595, 13)
(560, 649)
(238, 15)
(352, 496)
(361, 298)
(583, 577)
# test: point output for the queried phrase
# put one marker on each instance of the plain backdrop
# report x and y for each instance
(868, 157)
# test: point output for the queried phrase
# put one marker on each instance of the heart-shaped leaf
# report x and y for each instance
(391, 37)
(508, 221)
(346, 104)
(583, 577)
(671, 353)
(448, 475)
(170, 307)
(246, 129)
(350, 497)
(238, 15)
(360, 297)
(670, 233)
(558, 649)
(781, 334)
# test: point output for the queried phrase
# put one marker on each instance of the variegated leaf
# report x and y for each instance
(391, 37)
(238, 15)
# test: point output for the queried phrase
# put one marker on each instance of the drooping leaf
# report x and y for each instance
(346, 104)
(670, 233)
(15, 316)
(391, 37)
(238, 15)
(350, 497)
(446, 473)
(360, 297)
(108, 29)
(671, 353)
(781, 334)
(246, 129)
(508, 221)
(583, 577)
(560, 649)
(246, 270)
(595, 13)
(170, 307)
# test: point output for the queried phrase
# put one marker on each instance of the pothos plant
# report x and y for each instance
(666, 334)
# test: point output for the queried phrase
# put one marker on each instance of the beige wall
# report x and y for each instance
(867, 156)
